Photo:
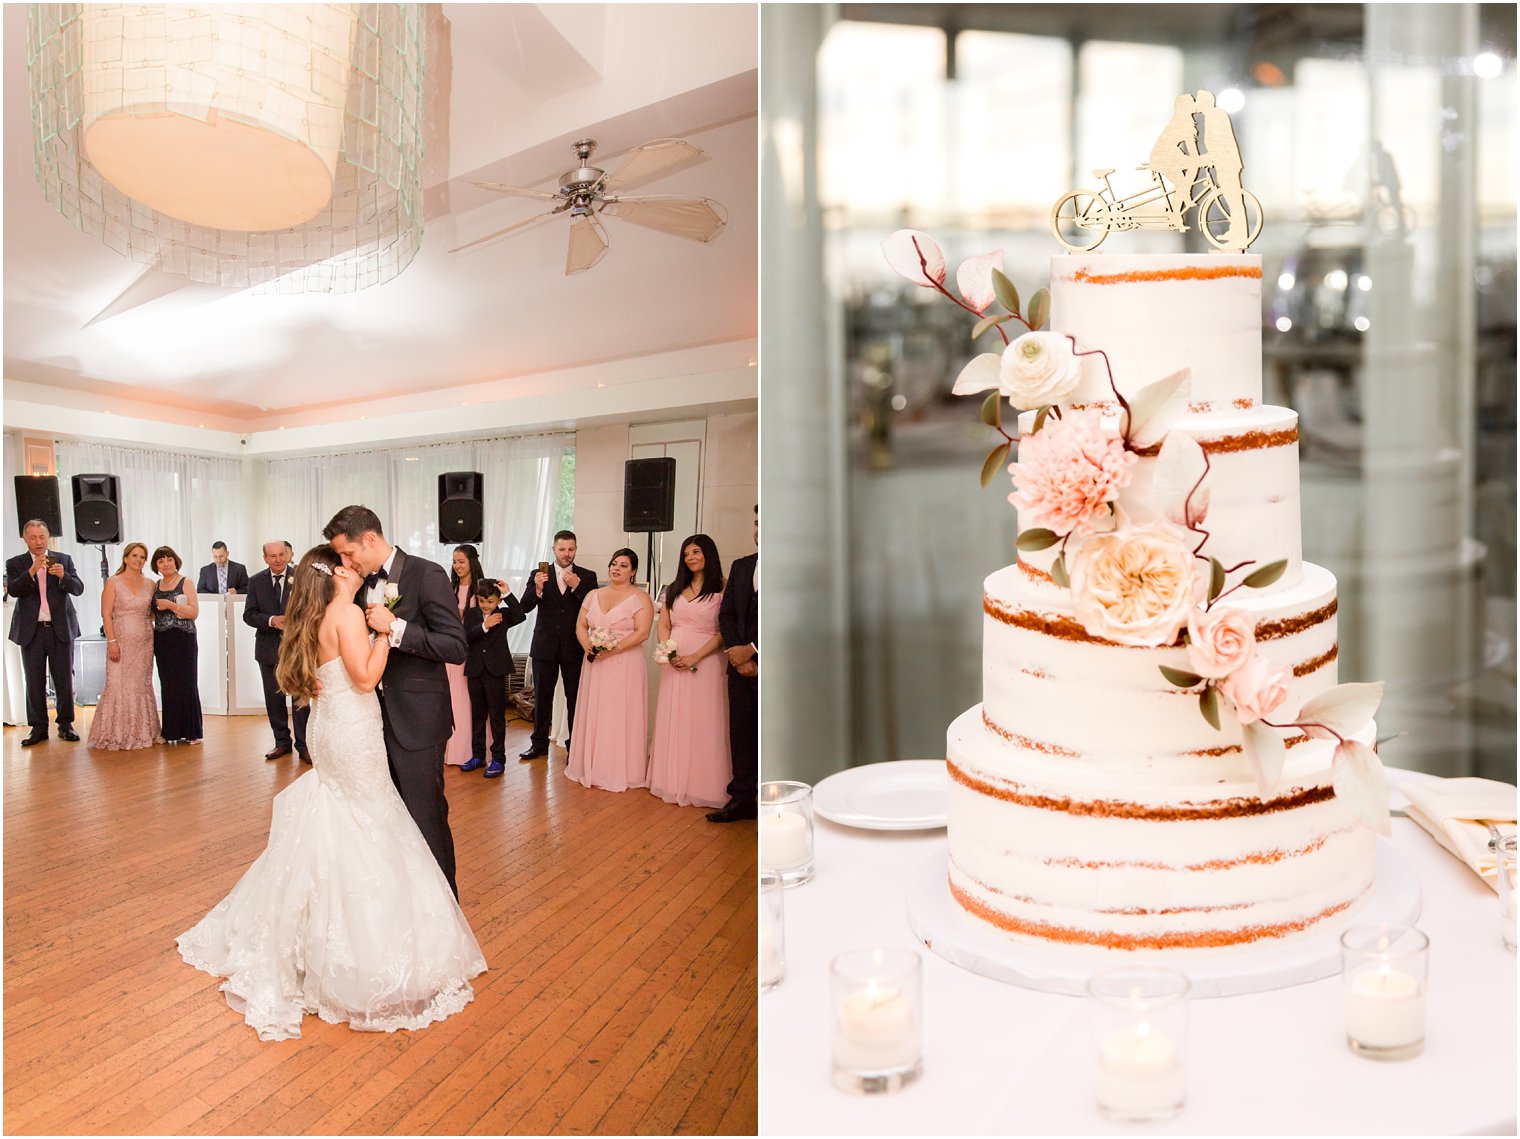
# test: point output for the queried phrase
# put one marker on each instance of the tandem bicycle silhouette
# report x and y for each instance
(1083, 218)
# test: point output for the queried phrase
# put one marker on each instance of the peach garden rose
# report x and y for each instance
(1136, 585)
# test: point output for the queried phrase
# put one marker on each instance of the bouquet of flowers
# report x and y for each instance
(602, 641)
(664, 650)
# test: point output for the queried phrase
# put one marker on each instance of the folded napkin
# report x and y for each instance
(1457, 812)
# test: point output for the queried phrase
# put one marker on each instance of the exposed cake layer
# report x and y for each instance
(1253, 488)
(1122, 855)
(1153, 314)
(1059, 690)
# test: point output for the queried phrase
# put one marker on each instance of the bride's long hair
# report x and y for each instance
(310, 592)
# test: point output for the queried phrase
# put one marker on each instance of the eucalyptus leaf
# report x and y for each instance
(1155, 409)
(992, 411)
(1343, 710)
(1038, 539)
(1208, 704)
(1039, 309)
(987, 322)
(1179, 677)
(996, 459)
(1039, 418)
(981, 373)
(1268, 573)
(1360, 785)
(1058, 572)
(1006, 293)
(1216, 578)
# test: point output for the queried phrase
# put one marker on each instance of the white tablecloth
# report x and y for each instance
(1006, 1060)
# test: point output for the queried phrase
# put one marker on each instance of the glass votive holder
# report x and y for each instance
(877, 1001)
(786, 831)
(772, 932)
(1140, 1020)
(1383, 973)
(1504, 856)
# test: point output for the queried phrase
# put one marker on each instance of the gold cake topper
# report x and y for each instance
(1195, 168)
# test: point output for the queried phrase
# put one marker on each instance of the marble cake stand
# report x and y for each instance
(950, 932)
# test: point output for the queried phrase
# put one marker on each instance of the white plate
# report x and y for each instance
(908, 795)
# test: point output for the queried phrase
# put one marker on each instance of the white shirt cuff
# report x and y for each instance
(398, 630)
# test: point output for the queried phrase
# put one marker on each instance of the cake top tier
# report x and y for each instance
(1153, 314)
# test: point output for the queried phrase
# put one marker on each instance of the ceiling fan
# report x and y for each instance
(588, 193)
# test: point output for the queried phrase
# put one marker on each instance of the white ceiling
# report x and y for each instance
(509, 87)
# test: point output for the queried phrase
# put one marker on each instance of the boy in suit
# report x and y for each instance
(487, 665)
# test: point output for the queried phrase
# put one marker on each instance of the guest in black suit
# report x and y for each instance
(487, 667)
(222, 575)
(265, 612)
(739, 624)
(425, 634)
(557, 595)
(45, 626)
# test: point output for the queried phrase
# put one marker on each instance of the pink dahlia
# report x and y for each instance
(1068, 472)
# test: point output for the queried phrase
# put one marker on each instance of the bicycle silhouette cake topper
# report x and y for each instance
(1195, 169)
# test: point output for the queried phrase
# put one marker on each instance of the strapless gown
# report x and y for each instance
(345, 915)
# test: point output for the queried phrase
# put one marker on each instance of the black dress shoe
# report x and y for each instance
(68, 734)
(34, 738)
(732, 812)
(531, 754)
(278, 750)
(305, 756)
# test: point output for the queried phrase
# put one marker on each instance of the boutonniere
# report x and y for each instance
(392, 595)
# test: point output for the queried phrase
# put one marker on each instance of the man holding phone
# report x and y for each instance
(556, 592)
(44, 585)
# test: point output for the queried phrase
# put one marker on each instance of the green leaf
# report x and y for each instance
(987, 322)
(1058, 572)
(1208, 704)
(1179, 677)
(996, 459)
(1268, 573)
(1039, 539)
(1216, 578)
(1039, 418)
(1039, 309)
(992, 411)
(1006, 293)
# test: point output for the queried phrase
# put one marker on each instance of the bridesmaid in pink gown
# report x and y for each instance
(127, 715)
(608, 749)
(689, 762)
(464, 579)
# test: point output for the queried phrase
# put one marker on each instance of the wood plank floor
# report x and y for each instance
(620, 932)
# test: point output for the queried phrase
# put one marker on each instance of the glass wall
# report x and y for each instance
(1379, 140)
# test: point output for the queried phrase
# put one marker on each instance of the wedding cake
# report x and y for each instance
(1162, 759)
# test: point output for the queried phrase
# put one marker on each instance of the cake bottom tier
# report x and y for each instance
(1072, 852)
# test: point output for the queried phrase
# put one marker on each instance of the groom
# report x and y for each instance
(425, 631)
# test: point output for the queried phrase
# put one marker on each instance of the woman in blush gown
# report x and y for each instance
(175, 651)
(609, 748)
(464, 578)
(345, 915)
(127, 715)
(689, 762)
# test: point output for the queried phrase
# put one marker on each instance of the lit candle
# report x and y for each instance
(1385, 1009)
(783, 842)
(876, 1031)
(1139, 1073)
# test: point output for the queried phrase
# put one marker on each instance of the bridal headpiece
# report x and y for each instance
(322, 568)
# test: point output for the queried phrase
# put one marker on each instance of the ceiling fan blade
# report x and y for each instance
(697, 219)
(588, 245)
(534, 220)
(653, 160)
(516, 191)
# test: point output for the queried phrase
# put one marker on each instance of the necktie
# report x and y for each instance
(44, 611)
(279, 591)
(221, 579)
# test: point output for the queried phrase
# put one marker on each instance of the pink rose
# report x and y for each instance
(1136, 585)
(1255, 688)
(1068, 472)
(1219, 640)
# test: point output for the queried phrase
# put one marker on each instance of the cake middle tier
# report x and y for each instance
(1051, 687)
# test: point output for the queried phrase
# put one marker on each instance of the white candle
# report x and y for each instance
(1138, 1072)
(1385, 1009)
(876, 1031)
(772, 964)
(784, 842)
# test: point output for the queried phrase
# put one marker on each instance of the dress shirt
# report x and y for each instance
(377, 597)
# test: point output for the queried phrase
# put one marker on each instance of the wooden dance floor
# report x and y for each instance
(620, 933)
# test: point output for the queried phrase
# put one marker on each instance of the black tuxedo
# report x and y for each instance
(265, 601)
(45, 647)
(739, 624)
(417, 710)
(555, 651)
(487, 667)
(237, 577)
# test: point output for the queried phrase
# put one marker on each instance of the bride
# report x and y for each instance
(345, 914)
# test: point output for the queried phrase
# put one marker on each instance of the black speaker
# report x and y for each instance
(649, 495)
(37, 497)
(460, 507)
(97, 517)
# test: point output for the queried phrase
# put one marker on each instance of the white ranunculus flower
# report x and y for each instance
(1039, 368)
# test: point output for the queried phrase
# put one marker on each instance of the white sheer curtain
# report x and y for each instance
(521, 478)
(167, 499)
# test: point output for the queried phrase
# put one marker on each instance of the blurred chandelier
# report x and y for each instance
(237, 145)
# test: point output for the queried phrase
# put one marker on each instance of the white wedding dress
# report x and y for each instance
(346, 914)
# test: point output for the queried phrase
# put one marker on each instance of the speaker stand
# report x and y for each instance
(649, 563)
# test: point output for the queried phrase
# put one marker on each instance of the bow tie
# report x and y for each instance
(375, 578)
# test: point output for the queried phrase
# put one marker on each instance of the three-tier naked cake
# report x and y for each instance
(1090, 803)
